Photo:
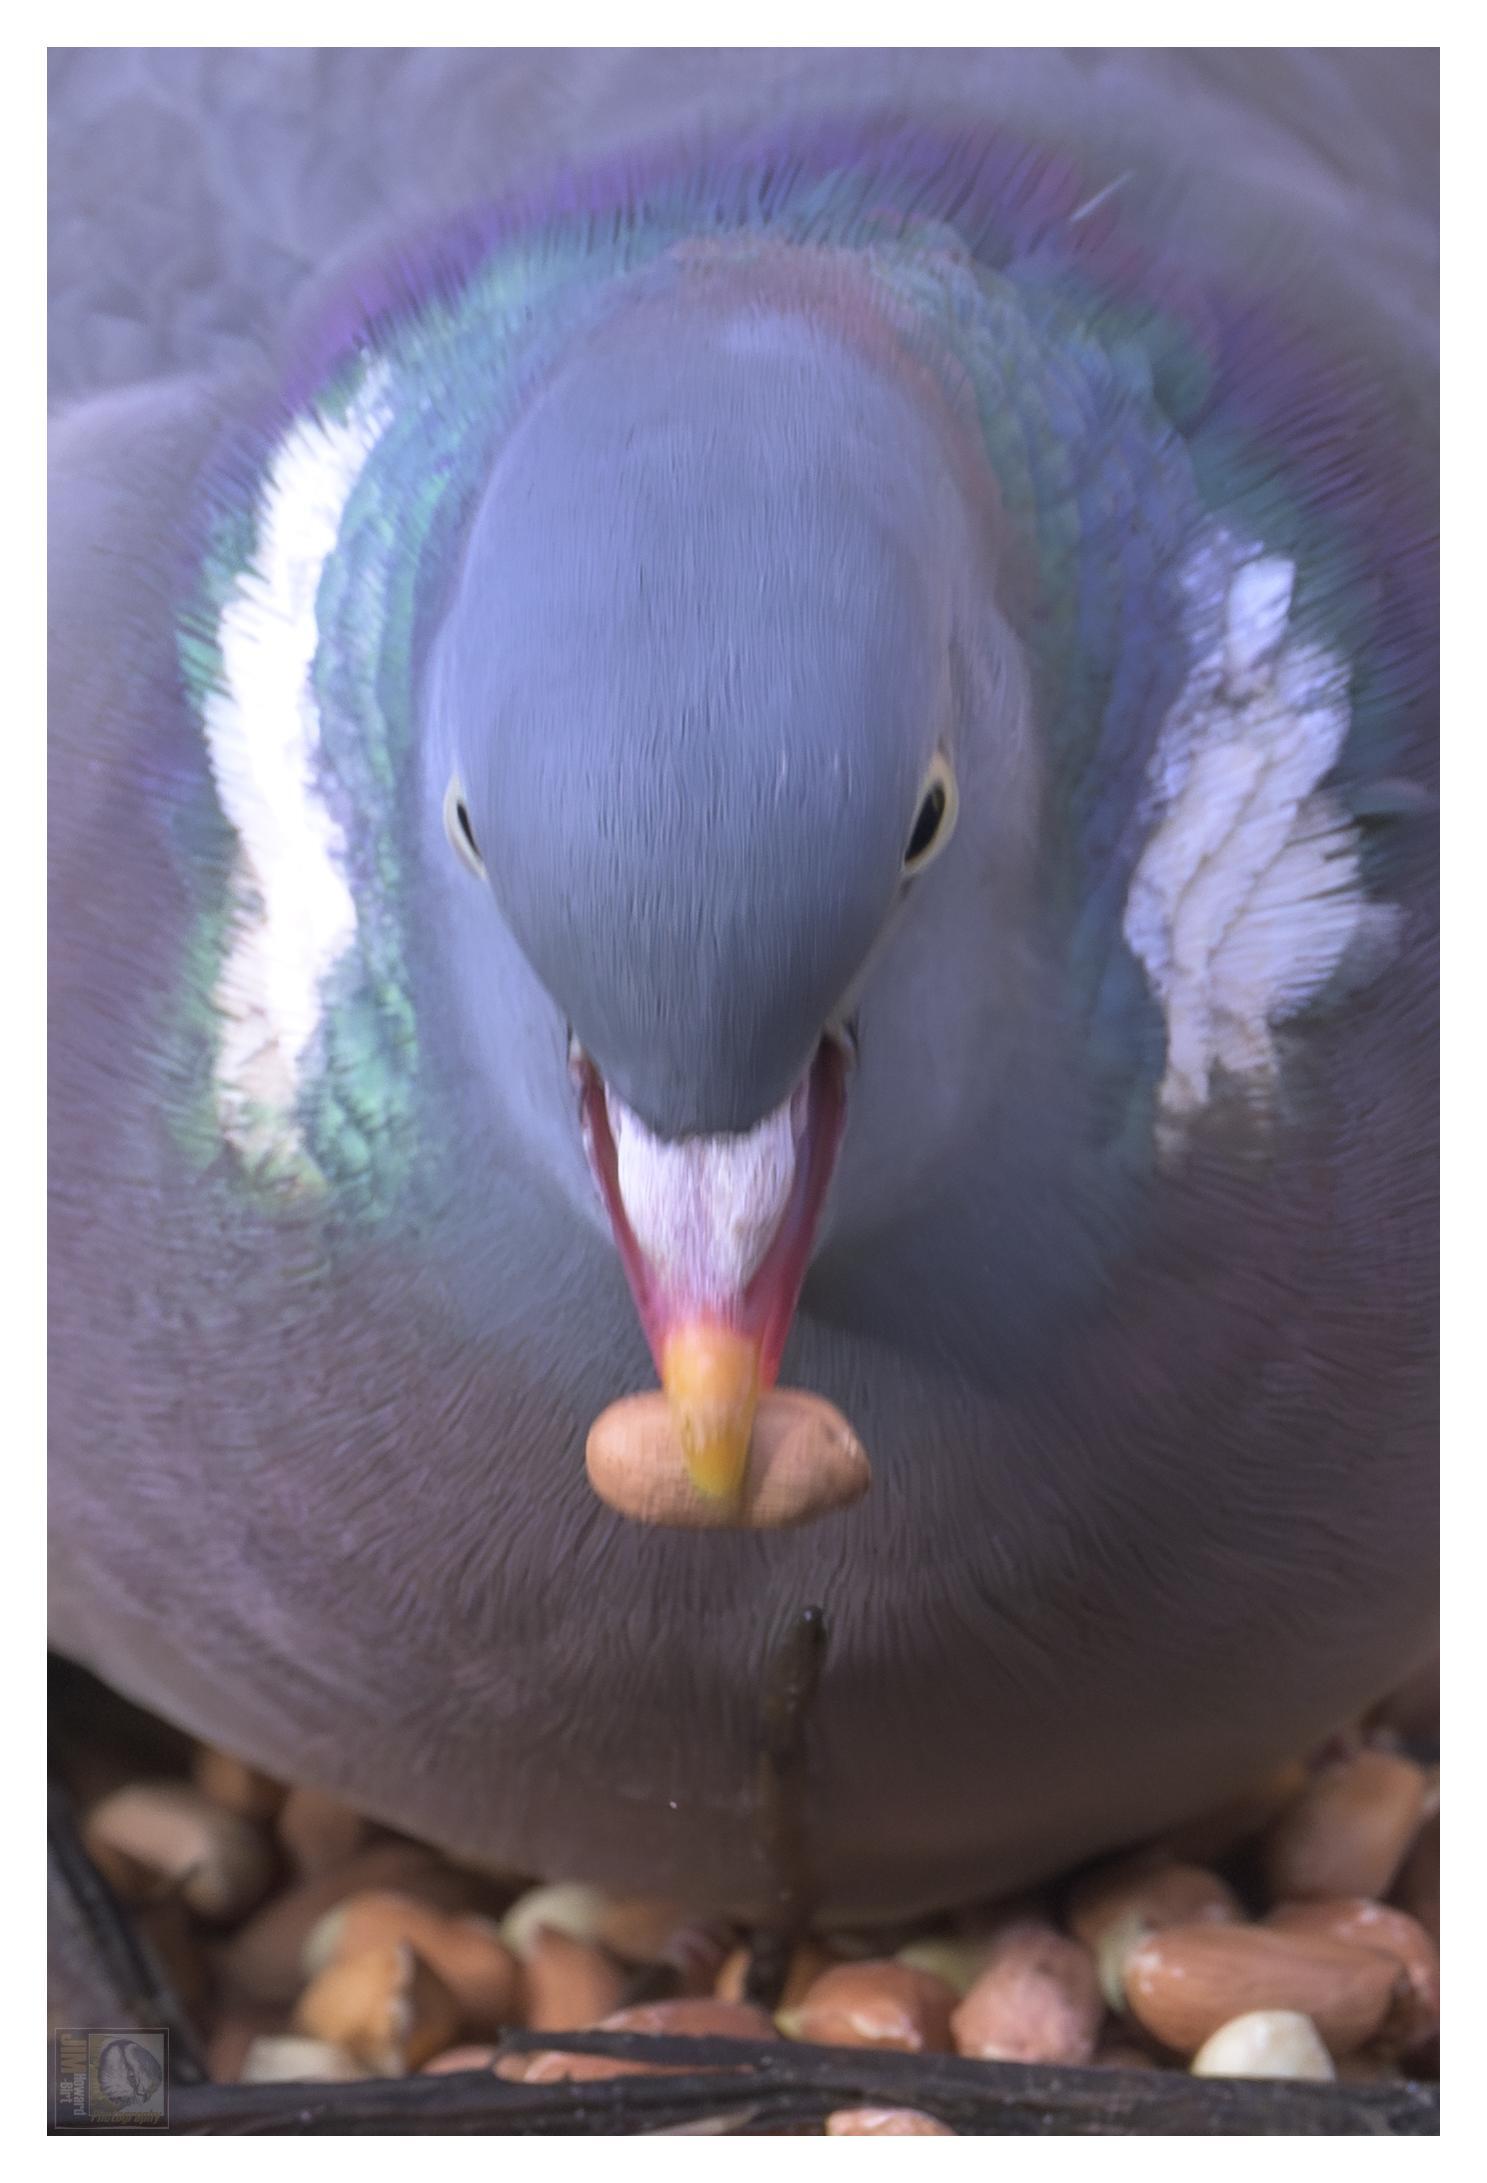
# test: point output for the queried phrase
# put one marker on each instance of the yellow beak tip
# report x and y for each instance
(717, 1467)
(711, 1376)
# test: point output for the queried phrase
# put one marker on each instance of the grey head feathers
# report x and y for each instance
(702, 653)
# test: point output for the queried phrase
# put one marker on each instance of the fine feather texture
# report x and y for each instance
(906, 199)
(1152, 1447)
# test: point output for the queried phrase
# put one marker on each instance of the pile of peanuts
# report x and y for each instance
(1295, 1933)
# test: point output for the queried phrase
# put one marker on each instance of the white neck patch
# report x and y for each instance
(1248, 897)
(704, 1210)
(293, 913)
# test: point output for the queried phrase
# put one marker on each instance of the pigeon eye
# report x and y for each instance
(461, 833)
(934, 822)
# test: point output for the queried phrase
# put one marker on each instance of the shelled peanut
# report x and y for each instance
(1294, 1931)
(885, 2122)
(1037, 1999)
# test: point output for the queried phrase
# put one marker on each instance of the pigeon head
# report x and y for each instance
(728, 736)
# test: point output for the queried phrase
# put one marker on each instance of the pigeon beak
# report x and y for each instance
(711, 1378)
(715, 1234)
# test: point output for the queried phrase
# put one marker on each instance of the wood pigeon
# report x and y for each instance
(791, 738)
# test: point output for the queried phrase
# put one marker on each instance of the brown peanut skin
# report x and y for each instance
(697, 1953)
(387, 2008)
(805, 1461)
(262, 1961)
(234, 1786)
(1156, 1894)
(1418, 1888)
(570, 1983)
(878, 2003)
(809, 1962)
(1415, 2017)
(1038, 2000)
(688, 2018)
(1349, 1831)
(476, 1965)
(1183, 1984)
(454, 2059)
(645, 1929)
(636, 1928)
(131, 1881)
(885, 2122)
(220, 1865)
(318, 1832)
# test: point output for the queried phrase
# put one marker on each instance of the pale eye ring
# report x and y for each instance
(461, 832)
(934, 816)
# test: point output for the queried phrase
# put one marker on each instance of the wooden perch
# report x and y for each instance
(748, 2087)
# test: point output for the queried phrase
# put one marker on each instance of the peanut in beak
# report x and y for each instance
(802, 1461)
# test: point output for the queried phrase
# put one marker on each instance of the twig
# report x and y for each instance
(790, 1682)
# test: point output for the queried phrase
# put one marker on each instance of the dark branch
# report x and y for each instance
(791, 1676)
(754, 2087)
